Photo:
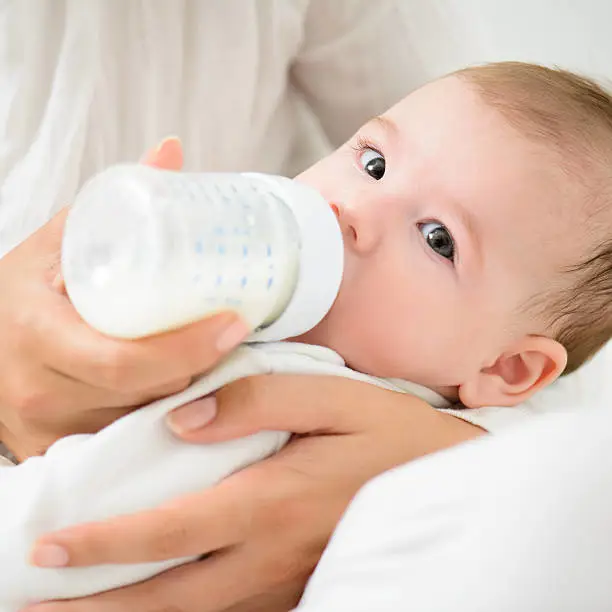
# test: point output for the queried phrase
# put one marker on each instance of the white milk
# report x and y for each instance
(148, 250)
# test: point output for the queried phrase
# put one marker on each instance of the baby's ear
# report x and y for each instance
(529, 365)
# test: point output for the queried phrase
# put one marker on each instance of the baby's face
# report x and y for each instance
(451, 221)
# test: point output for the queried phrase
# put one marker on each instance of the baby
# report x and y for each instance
(478, 266)
(477, 216)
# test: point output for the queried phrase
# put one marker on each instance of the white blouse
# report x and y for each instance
(87, 83)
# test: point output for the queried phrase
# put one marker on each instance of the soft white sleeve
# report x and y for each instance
(355, 62)
(131, 465)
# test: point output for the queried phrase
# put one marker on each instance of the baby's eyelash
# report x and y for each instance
(363, 143)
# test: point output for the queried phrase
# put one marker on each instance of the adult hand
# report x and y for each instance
(58, 375)
(266, 526)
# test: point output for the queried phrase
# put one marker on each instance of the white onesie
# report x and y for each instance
(135, 464)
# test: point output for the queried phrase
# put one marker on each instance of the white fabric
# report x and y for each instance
(84, 84)
(449, 34)
(520, 522)
(135, 464)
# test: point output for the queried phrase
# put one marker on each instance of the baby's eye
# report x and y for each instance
(439, 239)
(373, 163)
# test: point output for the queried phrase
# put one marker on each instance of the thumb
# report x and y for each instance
(168, 155)
(298, 404)
(43, 248)
(50, 234)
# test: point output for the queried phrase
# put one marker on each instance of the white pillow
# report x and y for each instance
(589, 388)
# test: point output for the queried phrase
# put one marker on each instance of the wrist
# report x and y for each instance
(435, 430)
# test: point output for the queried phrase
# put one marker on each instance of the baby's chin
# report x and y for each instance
(316, 336)
(449, 393)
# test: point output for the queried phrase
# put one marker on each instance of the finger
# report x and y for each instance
(210, 585)
(70, 406)
(252, 404)
(52, 402)
(70, 346)
(29, 442)
(324, 405)
(43, 250)
(158, 392)
(168, 155)
(45, 395)
(50, 234)
(171, 531)
(85, 397)
(283, 598)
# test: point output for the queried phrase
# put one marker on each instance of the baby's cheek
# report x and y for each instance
(421, 343)
(373, 334)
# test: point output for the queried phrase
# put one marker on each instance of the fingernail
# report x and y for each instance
(232, 336)
(49, 555)
(193, 416)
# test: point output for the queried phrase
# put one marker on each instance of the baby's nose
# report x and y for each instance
(360, 225)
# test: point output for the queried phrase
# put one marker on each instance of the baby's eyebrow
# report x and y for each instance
(386, 124)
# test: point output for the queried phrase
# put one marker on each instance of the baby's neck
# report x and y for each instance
(449, 393)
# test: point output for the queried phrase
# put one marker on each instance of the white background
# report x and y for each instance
(573, 34)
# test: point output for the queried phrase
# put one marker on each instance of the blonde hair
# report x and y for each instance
(573, 115)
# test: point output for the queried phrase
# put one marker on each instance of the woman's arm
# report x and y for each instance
(133, 464)
(58, 375)
(267, 526)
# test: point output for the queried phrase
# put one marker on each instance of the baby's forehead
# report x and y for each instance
(555, 237)
(530, 212)
(534, 176)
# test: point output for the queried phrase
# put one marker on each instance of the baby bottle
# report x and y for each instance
(148, 250)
